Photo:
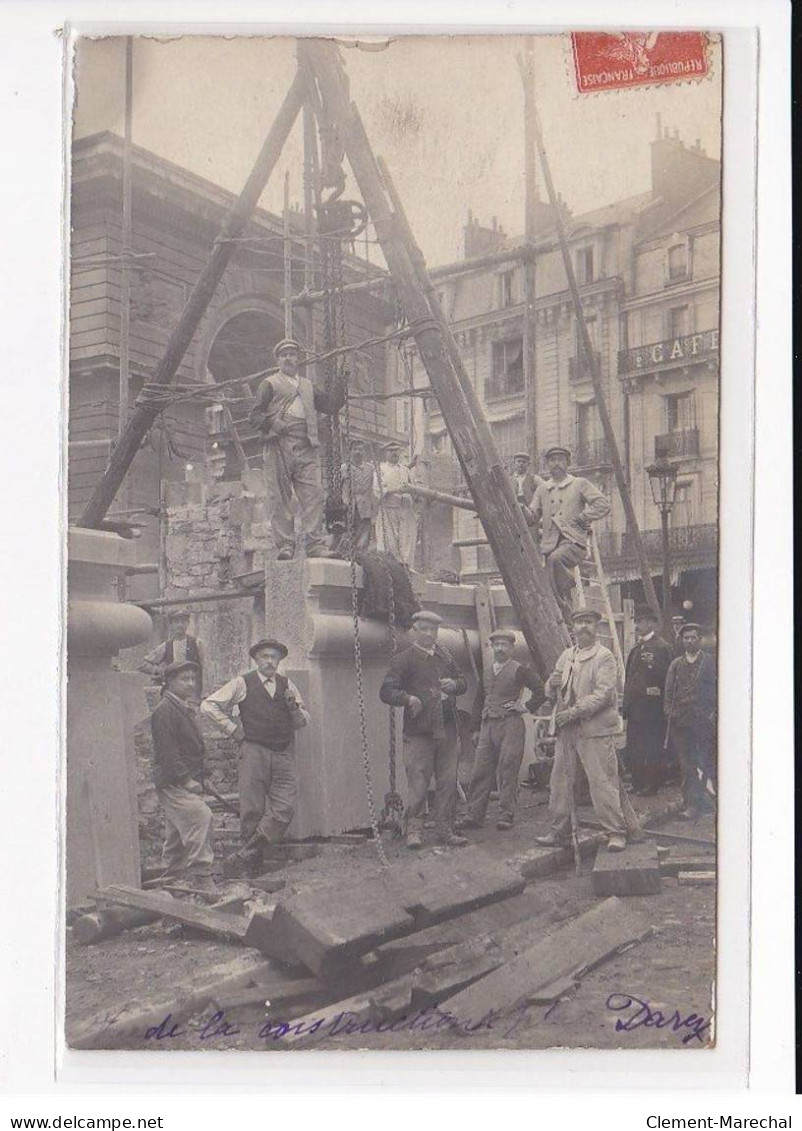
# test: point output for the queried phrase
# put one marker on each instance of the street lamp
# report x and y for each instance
(663, 481)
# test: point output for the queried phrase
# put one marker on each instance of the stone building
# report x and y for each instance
(649, 275)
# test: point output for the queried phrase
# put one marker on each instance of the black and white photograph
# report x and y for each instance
(393, 542)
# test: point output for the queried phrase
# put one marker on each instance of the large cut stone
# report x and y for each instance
(635, 871)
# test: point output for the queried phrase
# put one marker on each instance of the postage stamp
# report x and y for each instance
(622, 59)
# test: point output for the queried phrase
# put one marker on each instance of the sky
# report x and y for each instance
(446, 113)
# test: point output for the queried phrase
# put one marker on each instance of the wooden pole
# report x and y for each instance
(287, 260)
(142, 418)
(441, 497)
(530, 278)
(519, 562)
(586, 347)
(125, 260)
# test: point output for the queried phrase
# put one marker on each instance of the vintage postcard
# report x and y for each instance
(393, 552)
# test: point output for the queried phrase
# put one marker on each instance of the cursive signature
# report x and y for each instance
(639, 1014)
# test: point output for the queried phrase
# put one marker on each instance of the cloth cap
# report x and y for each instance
(522, 455)
(285, 344)
(180, 666)
(426, 616)
(392, 444)
(554, 449)
(691, 624)
(267, 643)
(178, 614)
(586, 614)
(503, 634)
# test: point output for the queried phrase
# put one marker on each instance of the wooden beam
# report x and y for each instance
(527, 67)
(224, 926)
(143, 417)
(519, 562)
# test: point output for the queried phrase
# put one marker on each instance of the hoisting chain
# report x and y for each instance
(393, 811)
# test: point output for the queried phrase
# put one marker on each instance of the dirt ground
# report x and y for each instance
(672, 970)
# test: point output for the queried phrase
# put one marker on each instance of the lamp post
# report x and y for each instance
(663, 481)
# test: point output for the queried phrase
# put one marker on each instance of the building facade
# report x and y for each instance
(649, 276)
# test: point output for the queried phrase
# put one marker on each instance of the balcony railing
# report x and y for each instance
(577, 370)
(592, 453)
(681, 442)
(683, 541)
(685, 350)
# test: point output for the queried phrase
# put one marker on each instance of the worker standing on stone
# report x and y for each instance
(647, 665)
(178, 776)
(396, 526)
(286, 408)
(584, 690)
(262, 710)
(524, 480)
(178, 647)
(498, 712)
(359, 476)
(424, 679)
(565, 506)
(690, 709)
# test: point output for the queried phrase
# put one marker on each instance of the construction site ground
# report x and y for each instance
(672, 970)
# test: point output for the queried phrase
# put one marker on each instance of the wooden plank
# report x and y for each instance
(267, 990)
(635, 871)
(225, 926)
(584, 942)
(484, 620)
(696, 879)
(673, 865)
(436, 889)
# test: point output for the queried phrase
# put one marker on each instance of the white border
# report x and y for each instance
(30, 425)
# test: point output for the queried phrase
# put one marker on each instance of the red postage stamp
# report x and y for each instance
(618, 60)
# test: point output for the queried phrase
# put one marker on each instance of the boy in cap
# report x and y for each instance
(285, 411)
(498, 712)
(425, 681)
(358, 476)
(647, 665)
(690, 705)
(584, 690)
(178, 647)
(564, 506)
(178, 777)
(396, 525)
(524, 481)
(269, 709)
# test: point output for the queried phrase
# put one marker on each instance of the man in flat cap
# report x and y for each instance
(262, 710)
(584, 690)
(524, 480)
(498, 710)
(690, 705)
(179, 646)
(178, 776)
(285, 411)
(396, 525)
(644, 682)
(358, 478)
(424, 679)
(564, 507)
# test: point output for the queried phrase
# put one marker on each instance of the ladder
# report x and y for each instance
(591, 589)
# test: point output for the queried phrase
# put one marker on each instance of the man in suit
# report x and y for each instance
(690, 705)
(178, 647)
(285, 411)
(498, 712)
(584, 690)
(424, 679)
(564, 506)
(358, 475)
(524, 481)
(262, 710)
(647, 665)
(178, 777)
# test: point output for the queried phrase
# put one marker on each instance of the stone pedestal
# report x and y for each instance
(102, 835)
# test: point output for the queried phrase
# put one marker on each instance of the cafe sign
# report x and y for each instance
(673, 351)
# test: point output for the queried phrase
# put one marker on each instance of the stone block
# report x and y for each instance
(436, 889)
(635, 871)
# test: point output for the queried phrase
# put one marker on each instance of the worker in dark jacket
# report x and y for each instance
(647, 665)
(498, 712)
(178, 776)
(690, 708)
(425, 681)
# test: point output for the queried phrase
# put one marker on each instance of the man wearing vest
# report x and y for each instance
(647, 665)
(564, 506)
(286, 408)
(690, 708)
(179, 648)
(584, 690)
(425, 681)
(178, 777)
(524, 482)
(270, 710)
(498, 717)
(358, 475)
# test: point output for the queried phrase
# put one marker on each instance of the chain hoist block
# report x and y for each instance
(344, 218)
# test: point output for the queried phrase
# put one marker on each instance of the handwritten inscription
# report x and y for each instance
(638, 1014)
